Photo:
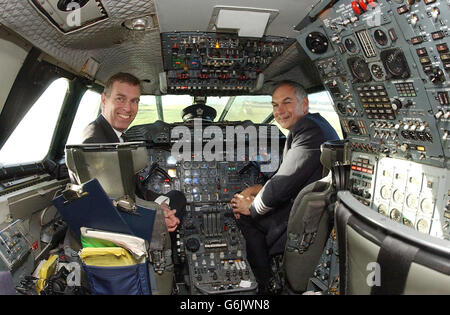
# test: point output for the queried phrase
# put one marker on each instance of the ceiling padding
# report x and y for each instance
(108, 42)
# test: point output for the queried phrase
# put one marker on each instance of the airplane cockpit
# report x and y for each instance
(74, 221)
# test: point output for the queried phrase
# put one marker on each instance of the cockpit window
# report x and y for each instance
(30, 141)
(322, 103)
(148, 112)
(255, 108)
(88, 110)
(237, 108)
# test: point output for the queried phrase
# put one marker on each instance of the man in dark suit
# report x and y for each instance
(119, 104)
(262, 212)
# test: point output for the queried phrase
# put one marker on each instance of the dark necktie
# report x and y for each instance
(287, 144)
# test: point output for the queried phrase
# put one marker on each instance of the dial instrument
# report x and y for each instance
(360, 69)
(411, 201)
(385, 192)
(380, 37)
(398, 195)
(422, 226)
(426, 205)
(382, 209)
(351, 45)
(396, 215)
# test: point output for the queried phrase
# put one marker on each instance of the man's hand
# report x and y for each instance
(169, 216)
(241, 204)
(251, 191)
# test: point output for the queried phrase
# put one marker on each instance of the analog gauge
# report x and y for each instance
(395, 63)
(385, 192)
(377, 71)
(396, 215)
(380, 37)
(186, 164)
(411, 201)
(382, 209)
(422, 226)
(360, 69)
(317, 43)
(426, 206)
(342, 108)
(354, 127)
(398, 196)
(351, 45)
(407, 222)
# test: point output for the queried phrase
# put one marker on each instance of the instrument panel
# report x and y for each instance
(209, 240)
(386, 65)
(200, 63)
(389, 88)
(214, 248)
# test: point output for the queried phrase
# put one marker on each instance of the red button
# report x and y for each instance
(356, 8)
(362, 4)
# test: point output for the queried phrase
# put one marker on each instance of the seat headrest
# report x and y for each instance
(334, 152)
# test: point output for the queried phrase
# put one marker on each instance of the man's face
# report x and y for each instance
(120, 108)
(287, 108)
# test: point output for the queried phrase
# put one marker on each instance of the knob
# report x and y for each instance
(192, 244)
(366, 194)
(439, 114)
(437, 76)
(435, 13)
(445, 136)
(447, 115)
(396, 104)
(404, 147)
(414, 20)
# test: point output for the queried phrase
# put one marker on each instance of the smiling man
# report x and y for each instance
(262, 212)
(119, 103)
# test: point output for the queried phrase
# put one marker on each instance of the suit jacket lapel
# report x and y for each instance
(110, 135)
